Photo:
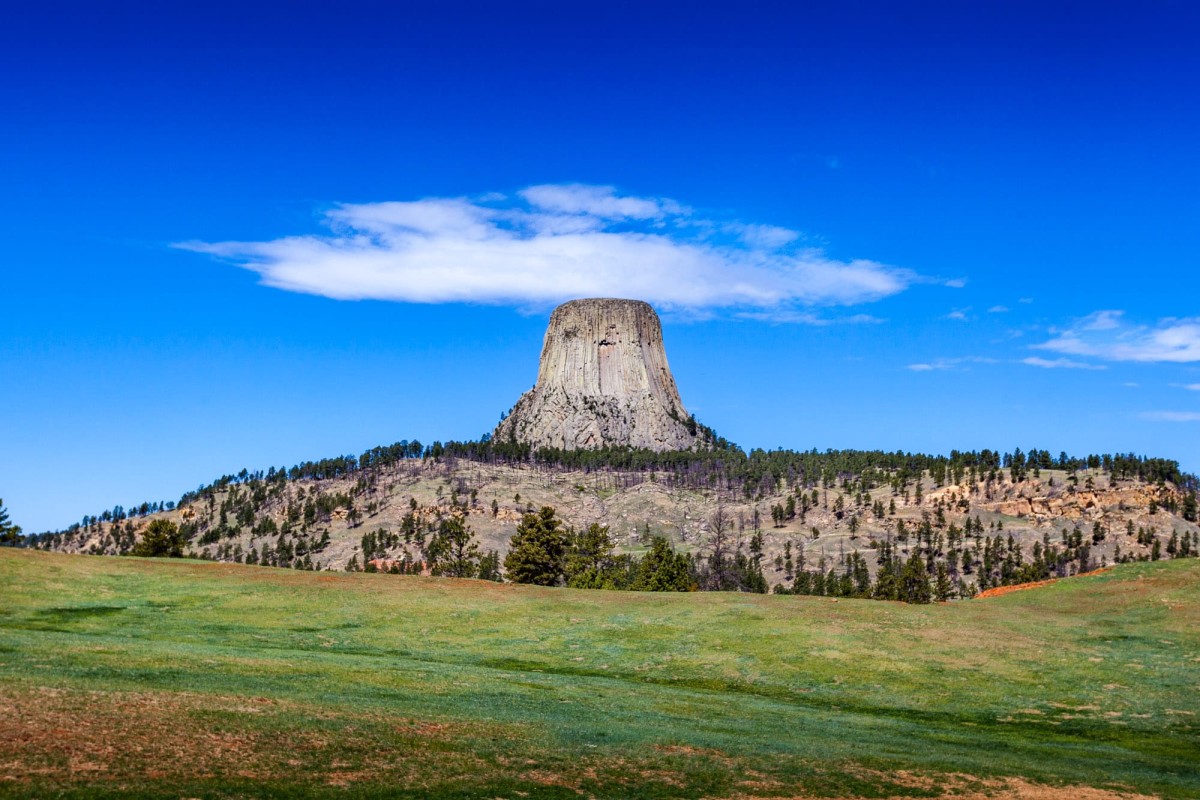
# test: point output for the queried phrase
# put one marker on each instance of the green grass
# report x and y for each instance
(129, 677)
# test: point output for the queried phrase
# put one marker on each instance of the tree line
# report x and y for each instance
(721, 465)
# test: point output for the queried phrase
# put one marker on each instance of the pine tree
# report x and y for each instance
(537, 550)
(914, 581)
(663, 570)
(10, 534)
(887, 586)
(489, 566)
(460, 554)
(1190, 507)
(589, 563)
(161, 538)
(942, 588)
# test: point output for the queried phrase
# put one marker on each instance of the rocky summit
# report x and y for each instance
(603, 381)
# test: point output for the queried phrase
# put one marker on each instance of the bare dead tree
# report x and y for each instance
(720, 544)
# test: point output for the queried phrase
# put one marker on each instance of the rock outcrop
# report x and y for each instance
(603, 381)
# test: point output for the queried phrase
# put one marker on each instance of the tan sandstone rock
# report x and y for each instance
(603, 381)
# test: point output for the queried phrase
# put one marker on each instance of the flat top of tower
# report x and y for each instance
(604, 303)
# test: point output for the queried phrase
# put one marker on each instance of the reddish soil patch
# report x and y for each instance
(999, 591)
(968, 787)
(59, 737)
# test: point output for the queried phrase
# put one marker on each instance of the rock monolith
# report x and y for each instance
(603, 381)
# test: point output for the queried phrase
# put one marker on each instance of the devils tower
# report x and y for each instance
(603, 381)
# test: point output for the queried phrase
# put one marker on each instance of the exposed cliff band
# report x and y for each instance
(603, 381)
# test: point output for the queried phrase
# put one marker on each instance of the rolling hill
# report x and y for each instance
(811, 511)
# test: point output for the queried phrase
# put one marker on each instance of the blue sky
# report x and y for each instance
(241, 237)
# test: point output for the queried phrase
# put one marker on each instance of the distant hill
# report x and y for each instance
(986, 518)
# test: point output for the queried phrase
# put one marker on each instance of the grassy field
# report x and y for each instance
(127, 677)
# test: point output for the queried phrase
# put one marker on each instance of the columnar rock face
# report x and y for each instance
(603, 381)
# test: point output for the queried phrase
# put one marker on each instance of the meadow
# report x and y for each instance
(124, 677)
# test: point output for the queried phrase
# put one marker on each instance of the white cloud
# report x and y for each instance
(949, 363)
(959, 314)
(601, 202)
(557, 242)
(1044, 363)
(1172, 416)
(1106, 335)
(1059, 363)
(1102, 321)
(998, 309)
(809, 318)
(1195, 387)
(956, 283)
(763, 236)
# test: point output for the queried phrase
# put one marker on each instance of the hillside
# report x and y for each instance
(983, 524)
(187, 679)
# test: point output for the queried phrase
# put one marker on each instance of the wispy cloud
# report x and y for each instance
(959, 314)
(1195, 387)
(810, 318)
(1107, 335)
(1033, 361)
(1059, 363)
(556, 242)
(950, 363)
(1102, 321)
(999, 310)
(1172, 416)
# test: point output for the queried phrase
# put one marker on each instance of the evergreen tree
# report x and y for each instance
(161, 538)
(10, 534)
(746, 574)
(489, 566)
(943, 588)
(1190, 507)
(663, 570)
(460, 554)
(803, 583)
(861, 575)
(589, 563)
(537, 550)
(817, 586)
(914, 581)
(887, 585)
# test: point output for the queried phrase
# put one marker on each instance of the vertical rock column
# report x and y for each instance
(603, 381)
